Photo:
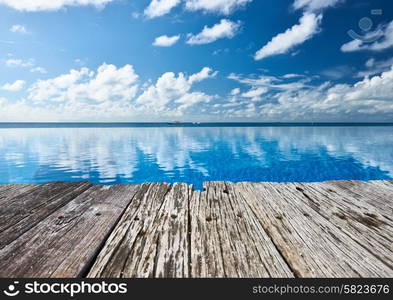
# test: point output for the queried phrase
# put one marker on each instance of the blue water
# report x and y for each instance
(193, 154)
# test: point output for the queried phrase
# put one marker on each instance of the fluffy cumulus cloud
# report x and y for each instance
(224, 29)
(314, 5)
(278, 98)
(13, 87)
(378, 40)
(235, 91)
(44, 5)
(220, 6)
(109, 93)
(166, 41)
(205, 73)
(172, 94)
(159, 8)
(108, 83)
(286, 41)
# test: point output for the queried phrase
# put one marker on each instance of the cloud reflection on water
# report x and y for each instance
(134, 155)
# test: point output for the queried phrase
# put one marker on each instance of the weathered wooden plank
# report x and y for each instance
(378, 195)
(330, 229)
(151, 238)
(172, 255)
(372, 214)
(311, 245)
(227, 240)
(9, 191)
(64, 243)
(358, 220)
(20, 213)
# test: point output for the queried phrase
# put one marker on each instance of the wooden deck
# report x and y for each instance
(329, 229)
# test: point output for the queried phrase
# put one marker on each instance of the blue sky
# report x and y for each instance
(196, 60)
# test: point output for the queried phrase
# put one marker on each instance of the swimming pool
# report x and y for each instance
(193, 154)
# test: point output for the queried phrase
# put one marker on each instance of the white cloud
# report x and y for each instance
(205, 73)
(109, 83)
(367, 99)
(15, 62)
(38, 70)
(166, 41)
(255, 93)
(110, 94)
(377, 88)
(172, 94)
(263, 84)
(298, 34)
(14, 87)
(375, 67)
(18, 28)
(235, 91)
(224, 29)
(220, 6)
(384, 42)
(314, 5)
(290, 76)
(309, 25)
(159, 8)
(29, 63)
(47, 5)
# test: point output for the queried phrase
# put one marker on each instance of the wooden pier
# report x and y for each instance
(328, 229)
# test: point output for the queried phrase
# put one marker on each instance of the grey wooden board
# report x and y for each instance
(329, 229)
(227, 240)
(378, 195)
(357, 219)
(19, 214)
(9, 191)
(65, 242)
(134, 248)
(311, 245)
(177, 232)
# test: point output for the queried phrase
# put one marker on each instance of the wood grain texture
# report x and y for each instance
(151, 240)
(64, 243)
(356, 219)
(310, 243)
(328, 229)
(377, 194)
(9, 191)
(177, 232)
(227, 240)
(19, 214)
(132, 248)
